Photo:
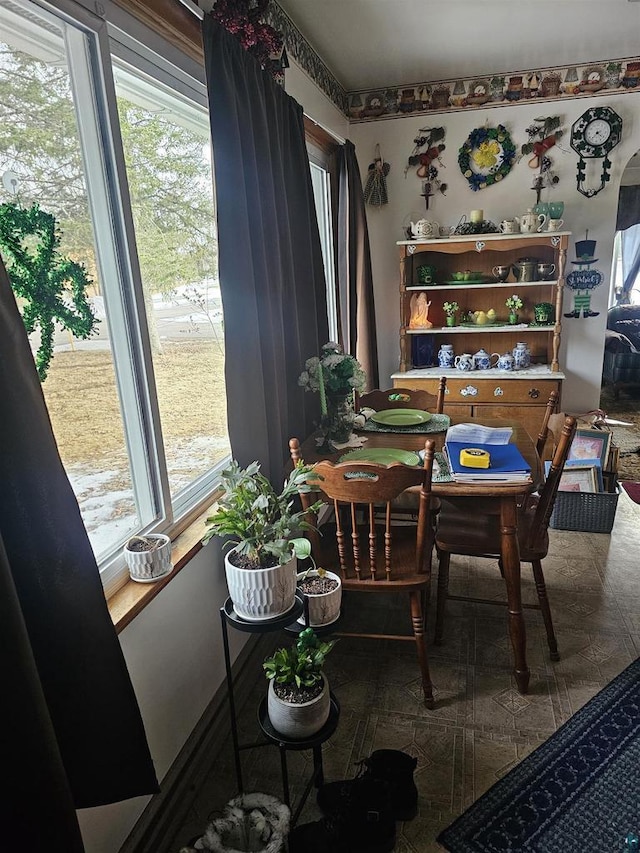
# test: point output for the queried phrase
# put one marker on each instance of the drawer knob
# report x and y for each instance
(469, 391)
(534, 393)
(498, 392)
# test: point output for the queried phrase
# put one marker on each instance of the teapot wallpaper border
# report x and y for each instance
(615, 76)
(548, 84)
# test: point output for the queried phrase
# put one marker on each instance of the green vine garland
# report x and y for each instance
(41, 277)
(487, 138)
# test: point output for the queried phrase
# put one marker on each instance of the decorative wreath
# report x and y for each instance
(487, 156)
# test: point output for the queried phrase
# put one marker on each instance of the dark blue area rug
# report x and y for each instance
(579, 791)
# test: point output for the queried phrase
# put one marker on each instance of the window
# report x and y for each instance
(626, 249)
(321, 184)
(113, 140)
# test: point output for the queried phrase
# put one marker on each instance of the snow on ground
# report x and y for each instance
(107, 502)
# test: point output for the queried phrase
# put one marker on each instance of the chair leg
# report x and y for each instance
(417, 620)
(541, 589)
(443, 588)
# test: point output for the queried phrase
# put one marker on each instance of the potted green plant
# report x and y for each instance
(148, 558)
(451, 309)
(263, 531)
(298, 700)
(336, 375)
(514, 304)
(323, 589)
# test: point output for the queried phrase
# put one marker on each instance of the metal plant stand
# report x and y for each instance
(228, 617)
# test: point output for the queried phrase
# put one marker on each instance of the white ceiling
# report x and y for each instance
(370, 44)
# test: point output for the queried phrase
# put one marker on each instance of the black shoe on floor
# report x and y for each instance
(364, 824)
(390, 769)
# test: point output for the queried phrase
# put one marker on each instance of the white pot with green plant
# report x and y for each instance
(263, 531)
(323, 591)
(148, 558)
(298, 700)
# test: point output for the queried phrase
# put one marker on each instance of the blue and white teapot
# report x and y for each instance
(505, 361)
(482, 359)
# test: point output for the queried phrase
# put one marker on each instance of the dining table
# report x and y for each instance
(489, 497)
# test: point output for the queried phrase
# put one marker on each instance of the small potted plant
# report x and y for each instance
(336, 375)
(263, 530)
(298, 700)
(451, 309)
(148, 558)
(514, 304)
(323, 590)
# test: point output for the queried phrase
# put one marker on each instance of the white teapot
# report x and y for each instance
(427, 229)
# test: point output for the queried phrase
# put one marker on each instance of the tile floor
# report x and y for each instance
(481, 726)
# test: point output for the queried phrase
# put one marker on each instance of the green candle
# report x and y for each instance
(323, 398)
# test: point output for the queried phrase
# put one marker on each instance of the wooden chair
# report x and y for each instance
(404, 398)
(461, 531)
(372, 555)
(543, 435)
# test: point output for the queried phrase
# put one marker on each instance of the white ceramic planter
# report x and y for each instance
(299, 721)
(324, 609)
(260, 594)
(148, 566)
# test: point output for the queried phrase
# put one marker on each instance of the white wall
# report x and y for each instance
(315, 103)
(173, 651)
(582, 340)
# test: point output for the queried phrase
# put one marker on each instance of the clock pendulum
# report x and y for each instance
(593, 136)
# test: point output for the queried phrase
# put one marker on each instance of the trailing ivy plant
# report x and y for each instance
(39, 275)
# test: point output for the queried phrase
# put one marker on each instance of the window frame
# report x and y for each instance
(90, 42)
(324, 205)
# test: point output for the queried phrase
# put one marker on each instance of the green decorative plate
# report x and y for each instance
(381, 455)
(467, 281)
(401, 417)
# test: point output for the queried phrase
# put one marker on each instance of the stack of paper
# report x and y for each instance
(507, 464)
(473, 435)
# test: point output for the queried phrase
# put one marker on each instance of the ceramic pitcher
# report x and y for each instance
(521, 356)
(445, 356)
(464, 361)
(510, 226)
(530, 221)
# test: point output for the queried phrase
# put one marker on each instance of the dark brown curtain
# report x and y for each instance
(357, 318)
(72, 735)
(271, 271)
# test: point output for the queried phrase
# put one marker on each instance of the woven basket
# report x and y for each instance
(591, 512)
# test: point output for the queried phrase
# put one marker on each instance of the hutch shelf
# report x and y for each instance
(489, 393)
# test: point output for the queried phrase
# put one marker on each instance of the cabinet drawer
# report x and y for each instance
(494, 390)
(472, 389)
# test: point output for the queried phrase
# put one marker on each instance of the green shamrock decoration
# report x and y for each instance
(41, 276)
